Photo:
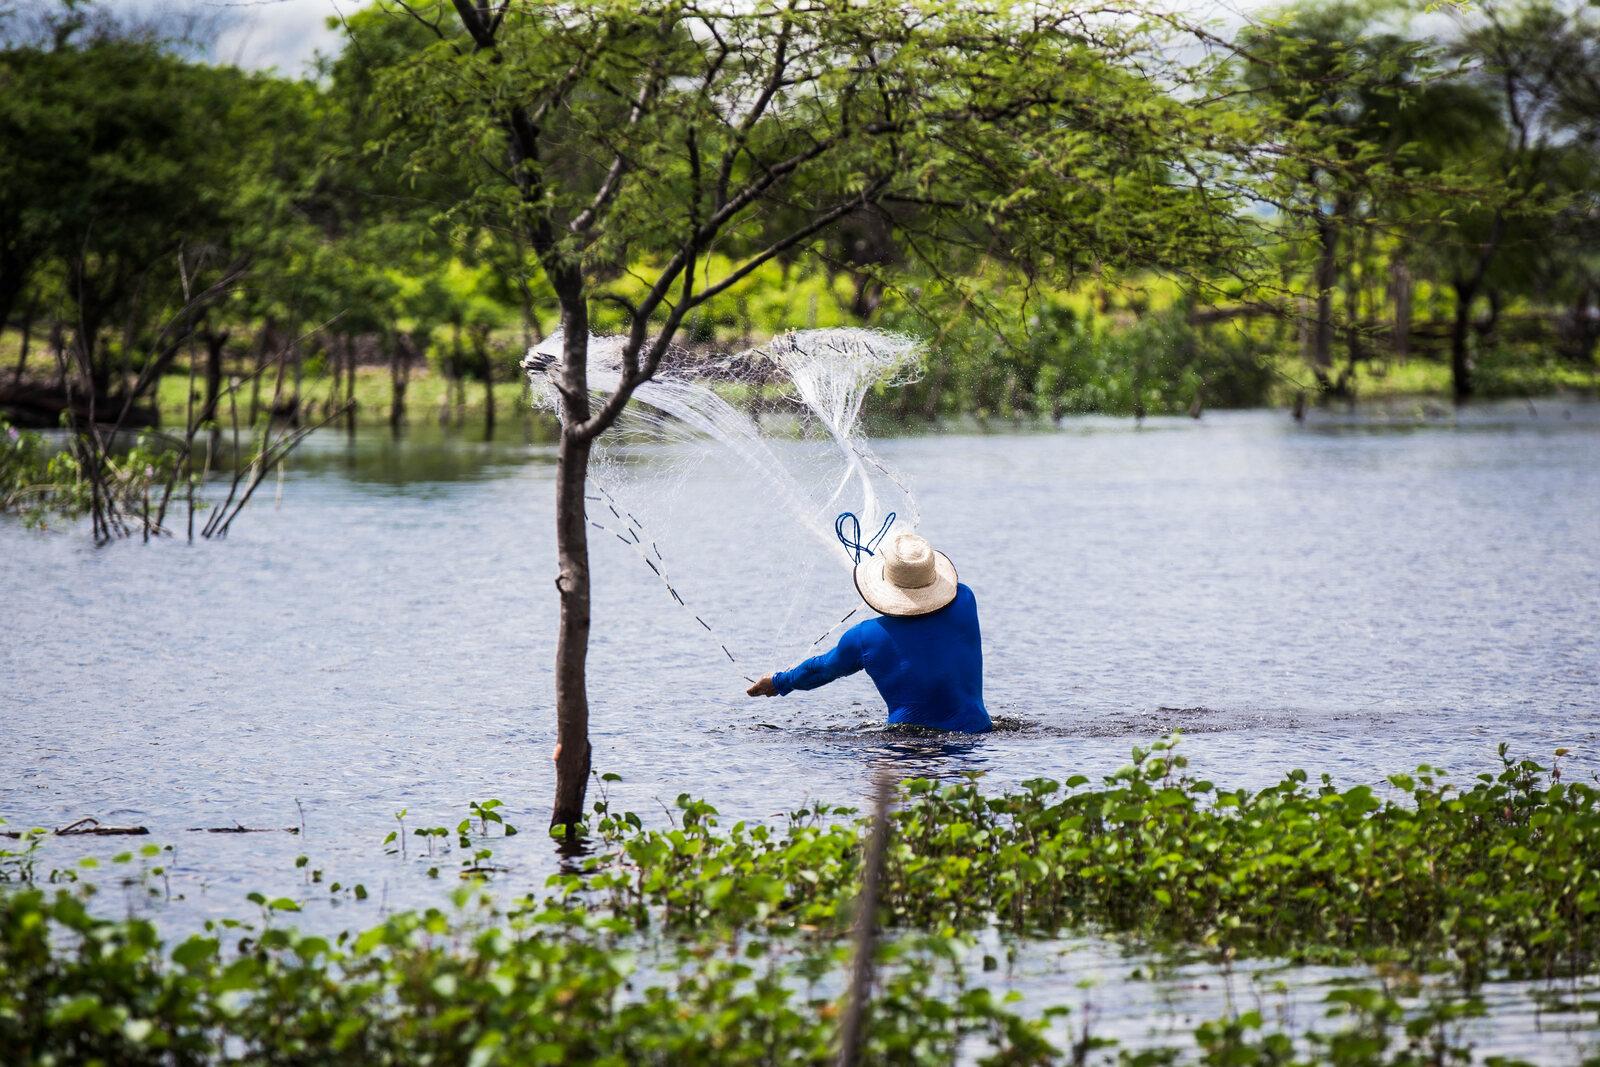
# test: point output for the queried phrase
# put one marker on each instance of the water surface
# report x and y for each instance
(1353, 596)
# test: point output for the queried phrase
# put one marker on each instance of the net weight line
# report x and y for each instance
(636, 542)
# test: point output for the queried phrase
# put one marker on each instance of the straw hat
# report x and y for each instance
(906, 577)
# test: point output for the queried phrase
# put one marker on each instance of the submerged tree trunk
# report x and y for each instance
(572, 580)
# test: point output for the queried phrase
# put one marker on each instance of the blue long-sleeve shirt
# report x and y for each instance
(928, 668)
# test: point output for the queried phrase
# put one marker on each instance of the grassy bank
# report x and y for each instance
(1157, 366)
(1501, 375)
(431, 399)
(711, 942)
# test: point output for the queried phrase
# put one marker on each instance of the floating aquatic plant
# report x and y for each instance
(701, 942)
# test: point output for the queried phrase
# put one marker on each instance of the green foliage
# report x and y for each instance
(1496, 876)
(1062, 360)
(1010, 173)
(699, 943)
(41, 483)
(112, 164)
(535, 985)
(38, 482)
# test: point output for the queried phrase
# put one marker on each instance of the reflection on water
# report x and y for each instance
(420, 458)
(899, 750)
(1355, 595)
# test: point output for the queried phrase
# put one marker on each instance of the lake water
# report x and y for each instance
(1354, 595)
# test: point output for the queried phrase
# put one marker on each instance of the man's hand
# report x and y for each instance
(763, 688)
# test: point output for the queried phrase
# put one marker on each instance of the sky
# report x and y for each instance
(281, 34)
(286, 35)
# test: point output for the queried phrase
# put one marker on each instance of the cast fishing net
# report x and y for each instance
(736, 479)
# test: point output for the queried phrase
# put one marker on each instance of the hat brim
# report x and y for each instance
(886, 598)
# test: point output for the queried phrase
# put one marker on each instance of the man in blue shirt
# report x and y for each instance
(924, 652)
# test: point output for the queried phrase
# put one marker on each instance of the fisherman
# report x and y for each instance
(923, 652)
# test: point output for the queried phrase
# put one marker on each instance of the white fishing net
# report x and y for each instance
(729, 477)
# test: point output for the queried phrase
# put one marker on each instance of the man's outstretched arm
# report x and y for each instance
(844, 658)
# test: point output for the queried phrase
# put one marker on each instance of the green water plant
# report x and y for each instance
(1500, 874)
(474, 986)
(703, 943)
(41, 483)
(539, 983)
(397, 837)
(19, 854)
(486, 813)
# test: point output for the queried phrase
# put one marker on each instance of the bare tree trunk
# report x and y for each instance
(572, 582)
(1400, 288)
(86, 438)
(1305, 331)
(1578, 328)
(336, 360)
(215, 344)
(350, 385)
(27, 337)
(451, 366)
(1326, 278)
(1353, 287)
(399, 378)
(459, 382)
(277, 388)
(263, 341)
(299, 373)
(58, 350)
(1460, 345)
(1467, 287)
(480, 344)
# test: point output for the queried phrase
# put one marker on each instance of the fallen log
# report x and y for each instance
(242, 829)
(38, 406)
(86, 827)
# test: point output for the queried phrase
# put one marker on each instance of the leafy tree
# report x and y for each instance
(1372, 121)
(1540, 61)
(147, 186)
(617, 136)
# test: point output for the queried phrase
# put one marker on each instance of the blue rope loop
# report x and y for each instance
(852, 540)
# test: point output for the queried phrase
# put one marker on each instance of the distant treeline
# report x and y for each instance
(1425, 217)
